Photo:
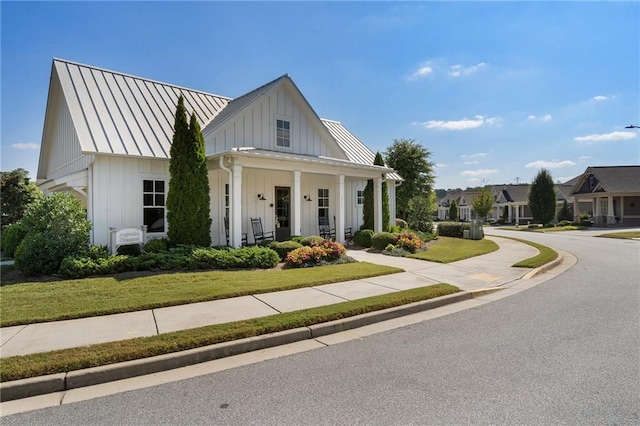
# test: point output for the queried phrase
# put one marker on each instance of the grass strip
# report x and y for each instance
(448, 249)
(28, 303)
(21, 367)
(622, 235)
(545, 255)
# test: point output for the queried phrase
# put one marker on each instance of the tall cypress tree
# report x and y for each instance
(386, 215)
(188, 214)
(453, 210)
(542, 198)
(367, 210)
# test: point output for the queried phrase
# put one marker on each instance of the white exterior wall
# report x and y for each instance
(255, 127)
(117, 192)
(64, 156)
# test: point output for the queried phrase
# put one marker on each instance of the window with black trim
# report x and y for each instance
(226, 200)
(283, 133)
(323, 203)
(359, 197)
(153, 202)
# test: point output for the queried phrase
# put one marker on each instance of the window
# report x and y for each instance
(153, 198)
(359, 197)
(283, 133)
(323, 203)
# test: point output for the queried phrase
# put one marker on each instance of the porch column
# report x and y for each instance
(517, 214)
(597, 217)
(340, 216)
(296, 219)
(611, 215)
(377, 204)
(576, 208)
(622, 209)
(235, 215)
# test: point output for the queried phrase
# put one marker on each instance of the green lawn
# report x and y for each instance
(447, 249)
(622, 235)
(26, 303)
(545, 255)
(20, 367)
(543, 230)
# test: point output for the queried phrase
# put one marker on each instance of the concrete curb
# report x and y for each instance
(544, 268)
(34, 386)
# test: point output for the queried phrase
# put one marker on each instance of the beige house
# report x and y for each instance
(107, 137)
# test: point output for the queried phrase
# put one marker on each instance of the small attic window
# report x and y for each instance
(283, 133)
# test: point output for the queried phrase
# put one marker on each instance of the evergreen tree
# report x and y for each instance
(542, 198)
(386, 213)
(483, 203)
(453, 210)
(188, 214)
(367, 209)
(565, 212)
(17, 193)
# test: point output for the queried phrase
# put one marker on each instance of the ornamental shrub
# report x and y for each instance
(565, 213)
(316, 254)
(12, 236)
(311, 240)
(409, 242)
(57, 227)
(402, 224)
(156, 245)
(380, 240)
(363, 238)
(453, 229)
(284, 247)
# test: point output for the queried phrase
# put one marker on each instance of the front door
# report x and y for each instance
(283, 212)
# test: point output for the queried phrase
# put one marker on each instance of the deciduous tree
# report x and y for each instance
(17, 193)
(483, 203)
(411, 160)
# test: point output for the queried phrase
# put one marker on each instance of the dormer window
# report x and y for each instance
(283, 133)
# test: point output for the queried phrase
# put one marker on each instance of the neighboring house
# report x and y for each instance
(464, 200)
(107, 138)
(612, 193)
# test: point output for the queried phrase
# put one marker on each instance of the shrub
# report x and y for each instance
(409, 242)
(12, 236)
(363, 237)
(57, 227)
(401, 223)
(564, 223)
(98, 252)
(296, 238)
(317, 254)
(156, 245)
(380, 240)
(283, 248)
(129, 250)
(391, 250)
(311, 240)
(453, 229)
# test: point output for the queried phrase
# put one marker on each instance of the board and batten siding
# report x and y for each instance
(64, 156)
(255, 127)
(117, 192)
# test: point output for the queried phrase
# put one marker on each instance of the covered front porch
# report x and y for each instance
(610, 209)
(289, 192)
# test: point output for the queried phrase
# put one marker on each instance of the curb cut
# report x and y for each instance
(60, 382)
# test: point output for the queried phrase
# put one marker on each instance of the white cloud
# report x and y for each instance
(474, 180)
(606, 137)
(465, 123)
(584, 157)
(26, 146)
(440, 165)
(476, 155)
(546, 117)
(423, 71)
(601, 98)
(459, 70)
(549, 164)
(468, 163)
(478, 173)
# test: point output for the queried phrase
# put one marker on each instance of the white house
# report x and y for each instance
(107, 138)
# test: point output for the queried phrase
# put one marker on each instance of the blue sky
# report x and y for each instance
(494, 91)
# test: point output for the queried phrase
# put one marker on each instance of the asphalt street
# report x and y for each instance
(564, 352)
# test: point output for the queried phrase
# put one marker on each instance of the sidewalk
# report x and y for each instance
(490, 270)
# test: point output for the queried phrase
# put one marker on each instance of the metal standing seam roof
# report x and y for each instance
(116, 113)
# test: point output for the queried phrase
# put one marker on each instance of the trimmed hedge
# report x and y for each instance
(453, 229)
(12, 236)
(363, 238)
(311, 240)
(284, 247)
(381, 240)
(180, 258)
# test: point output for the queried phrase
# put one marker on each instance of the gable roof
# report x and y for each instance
(116, 113)
(612, 178)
